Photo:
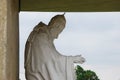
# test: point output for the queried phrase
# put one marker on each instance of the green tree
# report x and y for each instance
(85, 74)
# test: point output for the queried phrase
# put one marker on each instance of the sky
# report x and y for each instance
(94, 35)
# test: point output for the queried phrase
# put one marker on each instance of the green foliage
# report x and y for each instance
(85, 74)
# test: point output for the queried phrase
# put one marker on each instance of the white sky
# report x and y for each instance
(94, 35)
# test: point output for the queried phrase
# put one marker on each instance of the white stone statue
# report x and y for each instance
(42, 60)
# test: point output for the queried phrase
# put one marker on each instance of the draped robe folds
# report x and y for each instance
(43, 61)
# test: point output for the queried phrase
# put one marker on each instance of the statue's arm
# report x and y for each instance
(74, 59)
(77, 59)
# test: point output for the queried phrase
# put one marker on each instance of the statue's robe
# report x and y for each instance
(43, 61)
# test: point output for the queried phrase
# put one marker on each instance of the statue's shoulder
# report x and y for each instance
(41, 27)
(38, 29)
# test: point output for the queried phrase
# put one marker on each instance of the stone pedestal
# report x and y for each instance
(9, 40)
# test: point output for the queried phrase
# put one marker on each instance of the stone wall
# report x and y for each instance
(9, 40)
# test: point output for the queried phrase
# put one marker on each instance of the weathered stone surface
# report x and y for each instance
(3, 37)
(9, 57)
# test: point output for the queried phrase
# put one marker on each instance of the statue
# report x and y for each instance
(42, 60)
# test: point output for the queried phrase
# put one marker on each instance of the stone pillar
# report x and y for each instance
(9, 40)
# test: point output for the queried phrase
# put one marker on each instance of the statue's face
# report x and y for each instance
(55, 31)
(56, 25)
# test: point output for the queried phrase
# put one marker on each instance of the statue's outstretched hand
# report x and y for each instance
(78, 59)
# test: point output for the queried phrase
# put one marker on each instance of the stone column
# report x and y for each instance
(9, 40)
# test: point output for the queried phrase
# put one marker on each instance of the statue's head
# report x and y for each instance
(56, 25)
